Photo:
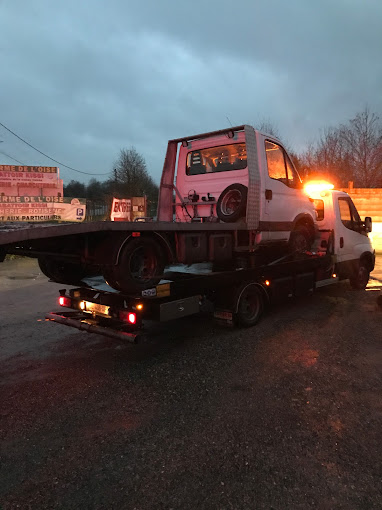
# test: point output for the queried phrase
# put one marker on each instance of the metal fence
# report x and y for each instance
(97, 210)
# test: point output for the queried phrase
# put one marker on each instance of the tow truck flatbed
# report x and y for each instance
(237, 297)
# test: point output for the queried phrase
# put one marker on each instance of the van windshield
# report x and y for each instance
(223, 158)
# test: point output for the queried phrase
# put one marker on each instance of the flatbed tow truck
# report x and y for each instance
(230, 198)
(236, 298)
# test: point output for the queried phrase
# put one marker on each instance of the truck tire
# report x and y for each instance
(232, 203)
(360, 277)
(250, 305)
(141, 265)
(61, 271)
(300, 239)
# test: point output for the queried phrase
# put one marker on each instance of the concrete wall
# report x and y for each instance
(369, 203)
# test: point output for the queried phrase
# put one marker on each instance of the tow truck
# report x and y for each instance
(342, 250)
(266, 237)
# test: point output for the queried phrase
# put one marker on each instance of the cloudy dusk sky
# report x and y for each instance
(82, 79)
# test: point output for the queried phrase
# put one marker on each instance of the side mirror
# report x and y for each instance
(368, 224)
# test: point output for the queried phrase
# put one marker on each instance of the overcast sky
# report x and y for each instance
(82, 79)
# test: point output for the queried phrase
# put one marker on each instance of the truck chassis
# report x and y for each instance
(236, 298)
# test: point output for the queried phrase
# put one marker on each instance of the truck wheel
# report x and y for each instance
(250, 305)
(232, 203)
(360, 277)
(300, 239)
(140, 266)
(61, 271)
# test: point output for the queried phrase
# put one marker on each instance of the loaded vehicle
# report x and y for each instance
(230, 197)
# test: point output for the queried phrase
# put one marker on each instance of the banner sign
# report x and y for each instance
(25, 179)
(121, 209)
(29, 169)
(35, 209)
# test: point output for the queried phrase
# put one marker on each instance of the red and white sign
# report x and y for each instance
(30, 181)
(121, 209)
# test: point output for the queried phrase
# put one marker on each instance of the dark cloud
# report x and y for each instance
(81, 80)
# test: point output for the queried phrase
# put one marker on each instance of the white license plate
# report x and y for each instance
(97, 309)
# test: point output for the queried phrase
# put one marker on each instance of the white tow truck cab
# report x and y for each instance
(350, 243)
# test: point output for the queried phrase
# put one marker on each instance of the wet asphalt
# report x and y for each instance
(286, 415)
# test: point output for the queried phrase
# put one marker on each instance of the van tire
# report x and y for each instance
(232, 203)
(300, 239)
(140, 266)
(250, 305)
(360, 277)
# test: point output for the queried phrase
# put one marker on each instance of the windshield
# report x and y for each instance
(223, 158)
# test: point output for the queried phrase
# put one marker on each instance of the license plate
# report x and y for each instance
(220, 314)
(97, 309)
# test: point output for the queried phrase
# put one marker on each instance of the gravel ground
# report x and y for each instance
(287, 415)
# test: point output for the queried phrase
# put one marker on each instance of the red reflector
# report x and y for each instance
(65, 301)
(136, 234)
(129, 317)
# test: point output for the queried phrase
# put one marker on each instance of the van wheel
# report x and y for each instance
(360, 277)
(61, 271)
(232, 203)
(140, 266)
(250, 306)
(300, 240)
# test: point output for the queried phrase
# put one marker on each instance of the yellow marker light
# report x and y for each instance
(82, 305)
(317, 186)
(267, 283)
(140, 306)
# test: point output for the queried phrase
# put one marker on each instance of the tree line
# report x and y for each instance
(129, 178)
(349, 152)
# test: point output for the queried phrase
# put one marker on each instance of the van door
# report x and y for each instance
(282, 194)
(350, 233)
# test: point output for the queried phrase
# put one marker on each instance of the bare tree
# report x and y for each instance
(131, 178)
(362, 138)
(350, 152)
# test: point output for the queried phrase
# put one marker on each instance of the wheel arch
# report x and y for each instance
(163, 241)
(367, 259)
(242, 288)
(306, 220)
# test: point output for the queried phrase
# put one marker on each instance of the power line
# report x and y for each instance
(10, 157)
(52, 159)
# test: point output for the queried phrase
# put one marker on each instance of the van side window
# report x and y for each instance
(357, 223)
(345, 213)
(279, 165)
(293, 177)
(275, 161)
(223, 158)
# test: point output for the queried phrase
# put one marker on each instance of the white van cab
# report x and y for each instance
(350, 244)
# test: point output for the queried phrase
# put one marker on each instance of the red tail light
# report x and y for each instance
(129, 317)
(65, 301)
